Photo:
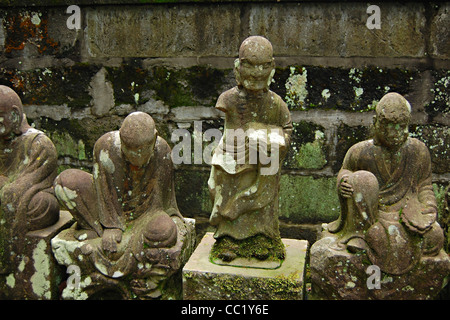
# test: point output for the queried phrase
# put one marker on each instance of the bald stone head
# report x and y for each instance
(254, 68)
(393, 114)
(395, 107)
(138, 136)
(11, 112)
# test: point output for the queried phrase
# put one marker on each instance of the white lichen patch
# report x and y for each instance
(63, 249)
(326, 94)
(40, 281)
(358, 91)
(10, 280)
(77, 293)
(106, 161)
(296, 91)
(66, 195)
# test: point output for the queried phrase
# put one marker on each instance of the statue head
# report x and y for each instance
(254, 68)
(393, 114)
(138, 137)
(11, 113)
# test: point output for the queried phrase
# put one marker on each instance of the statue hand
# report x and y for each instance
(418, 220)
(345, 188)
(110, 239)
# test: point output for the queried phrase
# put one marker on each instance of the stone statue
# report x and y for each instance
(128, 226)
(28, 166)
(28, 162)
(388, 208)
(244, 184)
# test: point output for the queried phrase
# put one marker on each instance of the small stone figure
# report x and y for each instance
(388, 212)
(28, 164)
(128, 227)
(245, 192)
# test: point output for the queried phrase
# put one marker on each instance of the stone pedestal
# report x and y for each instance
(205, 280)
(340, 275)
(37, 275)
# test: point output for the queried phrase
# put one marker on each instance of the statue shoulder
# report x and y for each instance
(417, 143)
(418, 147)
(227, 99)
(361, 146)
(108, 141)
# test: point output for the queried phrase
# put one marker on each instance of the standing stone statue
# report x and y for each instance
(28, 163)
(129, 236)
(245, 173)
(388, 214)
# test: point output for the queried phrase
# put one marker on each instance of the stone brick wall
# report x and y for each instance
(173, 59)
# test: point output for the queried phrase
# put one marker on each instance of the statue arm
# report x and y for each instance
(287, 128)
(425, 188)
(420, 213)
(105, 170)
(345, 189)
(38, 170)
(36, 173)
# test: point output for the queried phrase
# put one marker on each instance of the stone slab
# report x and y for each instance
(205, 280)
(337, 274)
(37, 275)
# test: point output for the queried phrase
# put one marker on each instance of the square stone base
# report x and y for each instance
(204, 280)
(37, 275)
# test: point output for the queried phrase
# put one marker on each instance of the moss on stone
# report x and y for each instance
(349, 89)
(305, 199)
(258, 246)
(307, 148)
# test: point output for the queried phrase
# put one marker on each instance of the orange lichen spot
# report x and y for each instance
(23, 28)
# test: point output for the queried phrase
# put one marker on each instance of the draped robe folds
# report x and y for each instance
(405, 189)
(245, 202)
(28, 167)
(123, 196)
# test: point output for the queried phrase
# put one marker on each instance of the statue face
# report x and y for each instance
(9, 120)
(255, 66)
(138, 156)
(391, 134)
(255, 74)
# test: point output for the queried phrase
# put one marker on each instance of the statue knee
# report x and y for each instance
(433, 240)
(43, 211)
(364, 180)
(69, 184)
(161, 232)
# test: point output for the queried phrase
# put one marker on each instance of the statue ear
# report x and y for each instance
(16, 118)
(237, 75)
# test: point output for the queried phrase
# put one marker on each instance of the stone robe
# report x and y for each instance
(28, 167)
(245, 201)
(139, 201)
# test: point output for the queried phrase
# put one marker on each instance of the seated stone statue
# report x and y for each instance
(128, 222)
(388, 208)
(245, 192)
(28, 163)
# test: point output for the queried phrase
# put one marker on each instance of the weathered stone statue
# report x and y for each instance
(388, 217)
(129, 236)
(245, 173)
(28, 163)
